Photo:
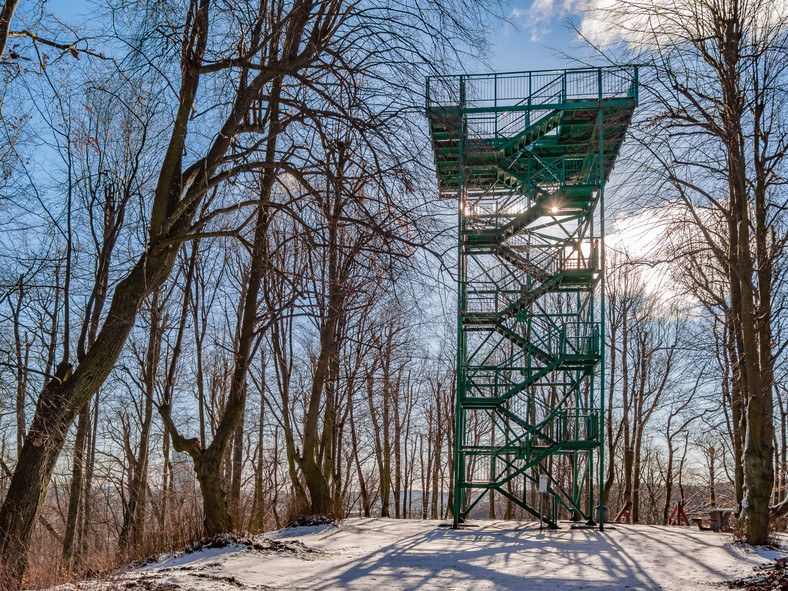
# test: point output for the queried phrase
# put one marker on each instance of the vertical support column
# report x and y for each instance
(590, 461)
(602, 332)
(459, 411)
(495, 104)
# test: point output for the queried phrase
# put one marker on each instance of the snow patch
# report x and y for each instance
(374, 554)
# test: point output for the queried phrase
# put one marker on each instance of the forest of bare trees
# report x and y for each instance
(226, 294)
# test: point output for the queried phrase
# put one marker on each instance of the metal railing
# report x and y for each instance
(580, 338)
(581, 256)
(572, 425)
(491, 294)
(501, 105)
(529, 90)
(570, 338)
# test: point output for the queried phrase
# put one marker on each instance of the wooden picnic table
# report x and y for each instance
(719, 520)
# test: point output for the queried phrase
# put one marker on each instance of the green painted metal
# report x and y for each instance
(527, 155)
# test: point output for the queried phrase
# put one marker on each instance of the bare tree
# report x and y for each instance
(717, 83)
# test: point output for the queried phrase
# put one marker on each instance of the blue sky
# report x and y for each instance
(536, 40)
(529, 45)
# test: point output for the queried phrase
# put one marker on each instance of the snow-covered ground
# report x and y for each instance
(383, 554)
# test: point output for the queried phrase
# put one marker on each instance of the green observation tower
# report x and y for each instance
(526, 155)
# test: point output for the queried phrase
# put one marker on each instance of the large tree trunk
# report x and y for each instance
(75, 490)
(237, 467)
(362, 484)
(314, 477)
(217, 516)
(376, 429)
(257, 519)
(397, 450)
(385, 476)
(449, 420)
(610, 457)
(7, 13)
(758, 453)
(57, 408)
(317, 485)
(63, 397)
(318, 446)
(668, 484)
(83, 537)
(208, 462)
(22, 351)
(134, 514)
(216, 512)
(736, 404)
(762, 327)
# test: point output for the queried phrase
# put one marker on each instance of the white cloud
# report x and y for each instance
(638, 239)
(645, 24)
(646, 243)
(540, 15)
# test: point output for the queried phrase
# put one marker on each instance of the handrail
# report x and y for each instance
(515, 89)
